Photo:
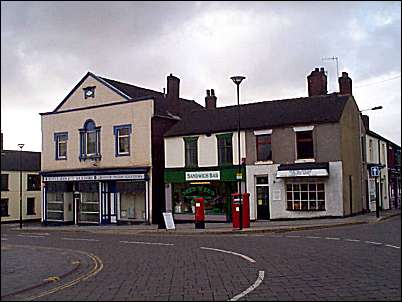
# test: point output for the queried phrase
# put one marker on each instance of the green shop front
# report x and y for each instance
(215, 184)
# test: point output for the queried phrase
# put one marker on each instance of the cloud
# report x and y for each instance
(48, 46)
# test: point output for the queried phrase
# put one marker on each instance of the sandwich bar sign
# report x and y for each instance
(206, 175)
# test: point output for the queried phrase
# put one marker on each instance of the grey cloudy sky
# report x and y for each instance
(47, 47)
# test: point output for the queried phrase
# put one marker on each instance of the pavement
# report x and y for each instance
(219, 228)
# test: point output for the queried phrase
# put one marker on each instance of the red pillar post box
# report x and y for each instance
(246, 210)
(236, 210)
(199, 213)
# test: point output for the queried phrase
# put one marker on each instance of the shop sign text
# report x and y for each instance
(207, 175)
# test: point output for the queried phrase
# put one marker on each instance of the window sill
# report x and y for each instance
(305, 160)
(90, 157)
(266, 162)
(31, 214)
(122, 154)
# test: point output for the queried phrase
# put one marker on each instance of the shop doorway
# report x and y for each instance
(262, 197)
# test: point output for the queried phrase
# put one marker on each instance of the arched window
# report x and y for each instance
(90, 141)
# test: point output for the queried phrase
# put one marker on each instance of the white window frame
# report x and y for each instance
(119, 136)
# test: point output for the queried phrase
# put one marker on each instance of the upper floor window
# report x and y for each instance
(191, 150)
(371, 157)
(225, 150)
(304, 144)
(89, 92)
(264, 148)
(4, 182)
(122, 139)
(60, 139)
(33, 182)
(90, 141)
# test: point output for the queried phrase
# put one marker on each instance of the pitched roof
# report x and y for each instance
(161, 105)
(376, 135)
(134, 93)
(263, 115)
(10, 160)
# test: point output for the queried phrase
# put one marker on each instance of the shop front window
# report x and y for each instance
(132, 200)
(305, 196)
(217, 197)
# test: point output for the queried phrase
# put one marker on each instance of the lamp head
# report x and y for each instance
(21, 146)
(376, 108)
(237, 79)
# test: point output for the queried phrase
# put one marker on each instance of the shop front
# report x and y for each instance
(96, 197)
(293, 191)
(216, 185)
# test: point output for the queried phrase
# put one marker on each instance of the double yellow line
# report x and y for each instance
(98, 266)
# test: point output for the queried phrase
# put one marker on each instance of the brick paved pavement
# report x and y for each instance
(360, 262)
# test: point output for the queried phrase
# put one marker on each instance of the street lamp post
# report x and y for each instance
(20, 167)
(237, 80)
(361, 147)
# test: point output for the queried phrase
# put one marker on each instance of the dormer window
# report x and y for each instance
(89, 92)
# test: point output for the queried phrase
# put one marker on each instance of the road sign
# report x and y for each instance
(375, 171)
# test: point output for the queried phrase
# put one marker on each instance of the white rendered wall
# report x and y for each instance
(277, 193)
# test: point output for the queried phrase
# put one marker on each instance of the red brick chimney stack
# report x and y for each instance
(210, 99)
(345, 84)
(317, 82)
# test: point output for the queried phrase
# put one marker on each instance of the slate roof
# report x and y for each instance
(10, 159)
(263, 115)
(161, 104)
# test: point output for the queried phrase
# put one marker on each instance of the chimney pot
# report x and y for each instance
(316, 69)
(208, 92)
(212, 92)
(322, 69)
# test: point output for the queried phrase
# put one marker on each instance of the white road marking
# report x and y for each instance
(393, 246)
(141, 242)
(293, 236)
(332, 238)
(80, 239)
(4, 239)
(372, 242)
(258, 235)
(229, 252)
(43, 234)
(352, 240)
(313, 237)
(31, 236)
(251, 288)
